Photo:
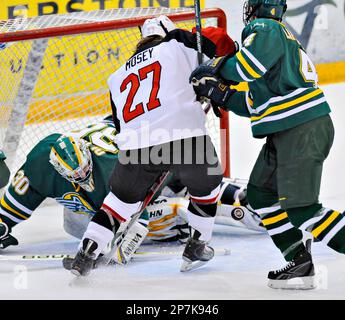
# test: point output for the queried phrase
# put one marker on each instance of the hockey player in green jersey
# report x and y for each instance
(286, 106)
(48, 173)
(72, 169)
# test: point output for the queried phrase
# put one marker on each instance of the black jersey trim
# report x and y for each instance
(115, 118)
(189, 40)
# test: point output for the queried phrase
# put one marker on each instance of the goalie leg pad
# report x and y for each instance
(75, 224)
(130, 243)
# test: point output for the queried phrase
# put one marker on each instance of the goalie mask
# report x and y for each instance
(71, 158)
(271, 9)
(157, 26)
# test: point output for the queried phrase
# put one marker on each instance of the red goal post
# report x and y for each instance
(49, 65)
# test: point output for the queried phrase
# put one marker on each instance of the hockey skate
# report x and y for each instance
(84, 261)
(297, 274)
(196, 254)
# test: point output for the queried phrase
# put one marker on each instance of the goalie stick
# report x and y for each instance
(141, 255)
(119, 236)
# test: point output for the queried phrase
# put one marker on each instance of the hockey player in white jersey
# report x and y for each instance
(161, 128)
(38, 179)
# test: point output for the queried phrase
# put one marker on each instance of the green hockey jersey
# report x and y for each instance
(283, 91)
(37, 180)
(2, 155)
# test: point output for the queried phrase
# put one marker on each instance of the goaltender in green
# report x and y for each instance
(74, 170)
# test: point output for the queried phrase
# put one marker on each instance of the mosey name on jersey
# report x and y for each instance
(138, 58)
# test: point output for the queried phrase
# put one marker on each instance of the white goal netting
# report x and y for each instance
(54, 72)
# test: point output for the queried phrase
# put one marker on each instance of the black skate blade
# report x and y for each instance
(191, 265)
(67, 263)
(298, 283)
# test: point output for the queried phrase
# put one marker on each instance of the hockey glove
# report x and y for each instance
(215, 91)
(211, 69)
(6, 239)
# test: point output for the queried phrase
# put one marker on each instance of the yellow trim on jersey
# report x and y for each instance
(60, 159)
(165, 218)
(156, 235)
(275, 219)
(245, 64)
(5, 205)
(287, 104)
(250, 101)
(325, 224)
(77, 151)
(157, 228)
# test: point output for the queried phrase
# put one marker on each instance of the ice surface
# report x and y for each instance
(241, 275)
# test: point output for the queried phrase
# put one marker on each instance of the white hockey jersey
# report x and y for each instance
(152, 99)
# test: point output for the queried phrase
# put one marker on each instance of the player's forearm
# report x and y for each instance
(231, 72)
(237, 104)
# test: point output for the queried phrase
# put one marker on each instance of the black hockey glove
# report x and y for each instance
(215, 91)
(6, 239)
(211, 69)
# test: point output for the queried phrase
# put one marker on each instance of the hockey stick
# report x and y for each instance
(198, 28)
(120, 235)
(141, 255)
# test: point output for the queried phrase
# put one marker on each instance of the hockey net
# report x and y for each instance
(54, 72)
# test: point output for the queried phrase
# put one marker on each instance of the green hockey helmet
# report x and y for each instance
(71, 158)
(273, 9)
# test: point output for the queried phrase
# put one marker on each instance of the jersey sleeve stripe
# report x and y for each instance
(249, 103)
(287, 104)
(242, 75)
(9, 216)
(17, 204)
(254, 60)
(278, 99)
(291, 112)
(8, 208)
(246, 66)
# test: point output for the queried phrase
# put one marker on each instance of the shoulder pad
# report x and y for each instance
(260, 26)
